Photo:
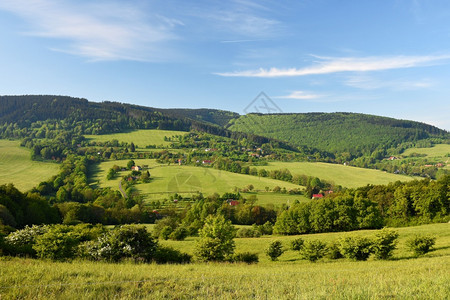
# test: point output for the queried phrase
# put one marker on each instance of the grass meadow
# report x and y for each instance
(17, 167)
(140, 138)
(439, 150)
(403, 277)
(187, 180)
(346, 176)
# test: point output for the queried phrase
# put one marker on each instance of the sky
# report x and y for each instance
(385, 57)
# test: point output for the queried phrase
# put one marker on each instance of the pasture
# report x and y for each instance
(437, 151)
(403, 277)
(188, 180)
(17, 167)
(140, 138)
(346, 176)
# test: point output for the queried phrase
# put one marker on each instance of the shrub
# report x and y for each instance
(275, 250)
(247, 233)
(216, 239)
(58, 243)
(127, 241)
(297, 244)
(384, 243)
(165, 232)
(333, 251)
(21, 242)
(167, 255)
(179, 234)
(420, 245)
(313, 250)
(357, 248)
(247, 257)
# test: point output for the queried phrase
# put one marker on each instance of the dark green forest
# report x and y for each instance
(346, 135)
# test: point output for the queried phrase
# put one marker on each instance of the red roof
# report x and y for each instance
(317, 196)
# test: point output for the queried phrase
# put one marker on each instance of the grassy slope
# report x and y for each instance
(17, 167)
(176, 178)
(140, 138)
(437, 151)
(290, 278)
(339, 174)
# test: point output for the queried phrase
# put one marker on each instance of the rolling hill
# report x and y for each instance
(336, 132)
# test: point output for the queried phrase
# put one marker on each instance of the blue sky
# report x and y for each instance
(389, 58)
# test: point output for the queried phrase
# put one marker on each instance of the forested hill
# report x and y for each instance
(337, 132)
(85, 117)
(213, 116)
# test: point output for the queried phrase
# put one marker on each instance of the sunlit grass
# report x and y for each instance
(404, 277)
(17, 167)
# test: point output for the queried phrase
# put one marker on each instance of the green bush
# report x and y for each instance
(297, 244)
(168, 255)
(247, 233)
(21, 242)
(216, 239)
(58, 243)
(313, 250)
(165, 233)
(420, 245)
(333, 251)
(247, 257)
(356, 248)
(384, 243)
(275, 250)
(179, 234)
(127, 241)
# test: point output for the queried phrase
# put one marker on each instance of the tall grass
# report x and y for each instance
(403, 277)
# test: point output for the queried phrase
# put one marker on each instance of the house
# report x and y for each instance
(393, 158)
(206, 162)
(136, 168)
(317, 196)
(232, 202)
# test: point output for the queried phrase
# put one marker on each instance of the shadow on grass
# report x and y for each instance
(91, 171)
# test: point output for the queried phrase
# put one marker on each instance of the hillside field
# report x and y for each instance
(186, 180)
(17, 167)
(439, 150)
(403, 277)
(345, 176)
(140, 138)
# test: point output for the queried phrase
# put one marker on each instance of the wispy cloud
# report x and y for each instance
(328, 65)
(371, 83)
(238, 20)
(300, 95)
(107, 30)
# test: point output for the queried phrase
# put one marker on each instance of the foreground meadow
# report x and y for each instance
(404, 277)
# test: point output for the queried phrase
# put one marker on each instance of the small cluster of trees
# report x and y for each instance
(370, 207)
(353, 247)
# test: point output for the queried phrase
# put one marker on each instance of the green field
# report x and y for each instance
(346, 176)
(140, 138)
(439, 150)
(404, 277)
(17, 167)
(186, 180)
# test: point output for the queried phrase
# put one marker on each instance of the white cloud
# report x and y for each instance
(300, 95)
(372, 83)
(97, 30)
(328, 65)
